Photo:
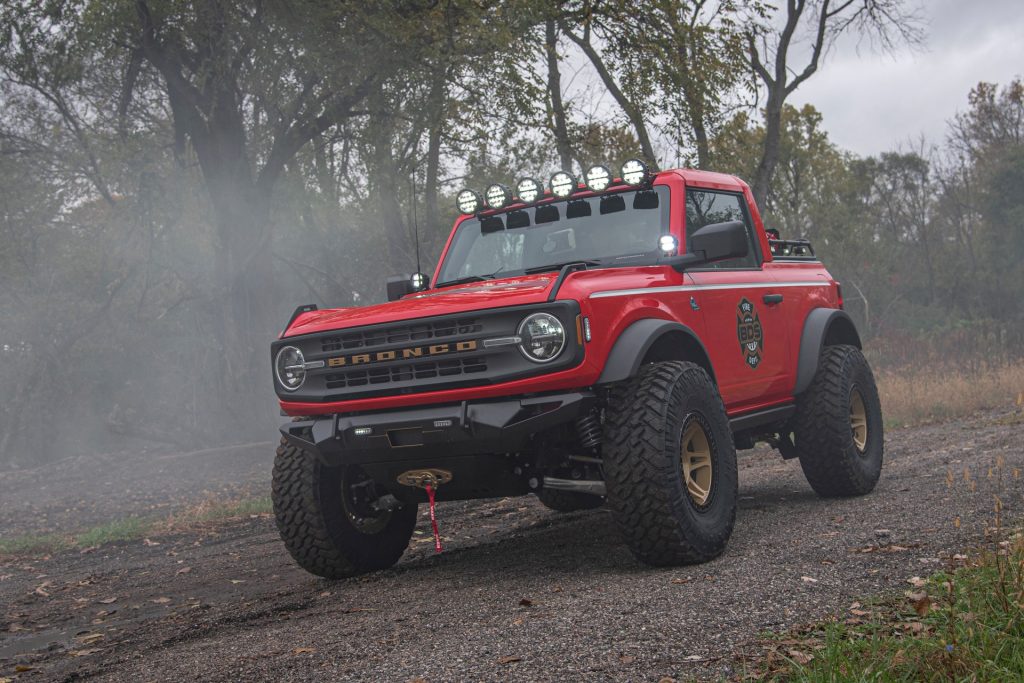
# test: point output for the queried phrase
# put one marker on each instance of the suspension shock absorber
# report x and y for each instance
(588, 429)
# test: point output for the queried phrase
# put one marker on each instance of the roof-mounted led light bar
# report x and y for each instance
(563, 184)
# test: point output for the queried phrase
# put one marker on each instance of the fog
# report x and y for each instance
(158, 225)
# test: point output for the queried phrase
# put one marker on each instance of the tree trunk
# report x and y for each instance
(561, 129)
(629, 108)
(770, 153)
(438, 99)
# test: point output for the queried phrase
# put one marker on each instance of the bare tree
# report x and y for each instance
(888, 23)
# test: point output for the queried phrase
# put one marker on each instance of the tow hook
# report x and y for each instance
(428, 480)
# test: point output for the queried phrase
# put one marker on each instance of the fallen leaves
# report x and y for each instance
(891, 548)
(160, 601)
(303, 650)
(85, 653)
(808, 579)
(107, 601)
(525, 602)
(921, 603)
(183, 570)
(509, 659)
(917, 582)
(801, 658)
(87, 638)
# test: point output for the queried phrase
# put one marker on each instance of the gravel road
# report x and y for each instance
(520, 593)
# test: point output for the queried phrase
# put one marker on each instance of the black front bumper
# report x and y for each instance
(426, 433)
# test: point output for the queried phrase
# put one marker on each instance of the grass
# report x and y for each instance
(962, 624)
(202, 514)
(915, 395)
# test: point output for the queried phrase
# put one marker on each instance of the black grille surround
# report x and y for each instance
(379, 360)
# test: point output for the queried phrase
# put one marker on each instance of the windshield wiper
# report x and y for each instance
(467, 279)
(559, 266)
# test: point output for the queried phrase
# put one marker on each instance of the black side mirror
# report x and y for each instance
(715, 242)
(721, 241)
(401, 285)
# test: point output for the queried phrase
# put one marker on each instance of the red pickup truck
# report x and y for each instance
(614, 340)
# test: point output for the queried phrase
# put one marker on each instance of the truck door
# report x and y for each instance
(746, 333)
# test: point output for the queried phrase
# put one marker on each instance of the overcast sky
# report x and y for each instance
(872, 103)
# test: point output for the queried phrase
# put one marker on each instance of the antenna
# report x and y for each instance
(415, 223)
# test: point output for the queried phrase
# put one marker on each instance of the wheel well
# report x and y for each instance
(841, 331)
(676, 345)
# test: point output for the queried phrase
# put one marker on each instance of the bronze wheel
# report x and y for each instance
(858, 420)
(697, 463)
(838, 426)
(670, 464)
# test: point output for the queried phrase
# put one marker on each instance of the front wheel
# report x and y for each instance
(838, 426)
(670, 464)
(328, 520)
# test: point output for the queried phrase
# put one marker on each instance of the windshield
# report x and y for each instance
(610, 230)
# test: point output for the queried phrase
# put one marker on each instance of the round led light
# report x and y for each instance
(290, 368)
(468, 202)
(598, 178)
(563, 184)
(498, 196)
(543, 337)
(529, 190)
(668, 244)
(635, 172)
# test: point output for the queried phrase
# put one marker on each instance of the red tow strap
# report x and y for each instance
(433, 518)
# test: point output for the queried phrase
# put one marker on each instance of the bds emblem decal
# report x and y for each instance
(748, 330)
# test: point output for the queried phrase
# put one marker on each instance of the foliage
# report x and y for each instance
(925, 241)
(963, 624)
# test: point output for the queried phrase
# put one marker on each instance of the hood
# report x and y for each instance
(516, 291)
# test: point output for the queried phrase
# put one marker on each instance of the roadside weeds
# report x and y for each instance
(914, 395)
(963, 623)
(204, 513)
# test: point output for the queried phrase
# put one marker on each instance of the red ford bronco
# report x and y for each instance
(613, 340)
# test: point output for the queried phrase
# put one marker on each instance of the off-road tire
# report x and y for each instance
(315, 527)
(645, 420)
(824, 437)
(568, 501)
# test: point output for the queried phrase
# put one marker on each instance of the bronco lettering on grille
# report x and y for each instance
(402, 354)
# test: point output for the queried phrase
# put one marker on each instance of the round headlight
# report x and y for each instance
(543, 337)
(635, 172)
(498, 196)
(468, 202)
(668, 244)
(290, 367)
(563, 184)
(598, 178)
(529, 190)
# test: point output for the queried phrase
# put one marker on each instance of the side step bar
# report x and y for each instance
(590, 486)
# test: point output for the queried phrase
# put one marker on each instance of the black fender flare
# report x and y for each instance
(822, 326)
(633, 344)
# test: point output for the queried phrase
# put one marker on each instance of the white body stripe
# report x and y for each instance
(698, 288)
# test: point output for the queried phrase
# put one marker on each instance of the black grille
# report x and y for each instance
(400, 334)
(406, 373)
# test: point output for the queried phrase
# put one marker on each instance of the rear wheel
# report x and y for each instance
(838, 426)
(568, 501)
(328, 519)
(670, 464)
